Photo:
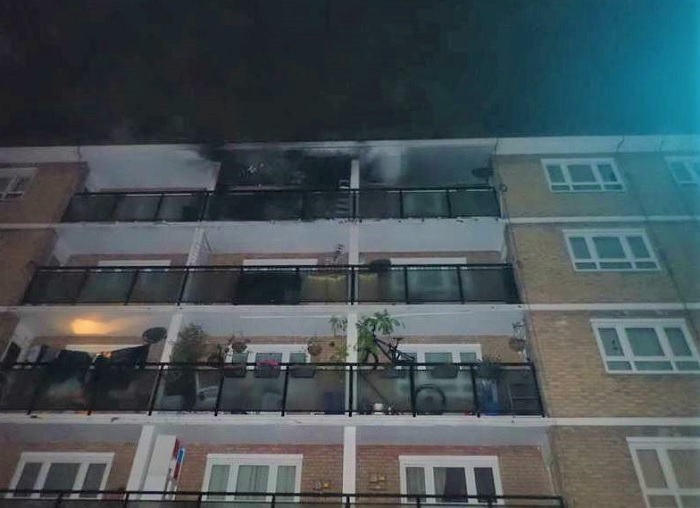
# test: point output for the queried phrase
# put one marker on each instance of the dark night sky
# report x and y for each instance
(80, 71)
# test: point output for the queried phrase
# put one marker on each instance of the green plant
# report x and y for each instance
(338, 325)
(379, 323)
(191, 344)
(339, 352)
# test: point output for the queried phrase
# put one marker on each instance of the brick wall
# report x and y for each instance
(522, 468)
(574, 381)
(546, 271)
(21, 251)
(650, 189)
(593, 467)
(48, 194)
(118, 475)
(321, 463)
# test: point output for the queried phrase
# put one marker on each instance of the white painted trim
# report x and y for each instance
(468, 462)
(593, 164)
(620, 326)
(48, 458)
(452, 349)
(687, 163)
(243, 459)
(602, 219)
(661, 446)
(349, 460)
(284, 349)
(139, 465)
(621, 235)
(429, 261)
(281, 262)
(133, 262)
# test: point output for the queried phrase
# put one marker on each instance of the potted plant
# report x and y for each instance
(189, 348)
(314, 348)
(368, 327)
(237, 344)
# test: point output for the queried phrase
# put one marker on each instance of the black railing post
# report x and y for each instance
(113, 211)
(161, 198)
(304, 206)
(132, 285)
(221, 389)
(401, 204)
(449, 203)
(475, 390)
(351, 390)
(458, 269)
(537, 388)
(273, 501)
(199, 499)
(59, 499)
(92, 397)
(154, 392)
(353, 280)
(412, 385)
(347, 501)
(285, 391)
(405, 285)
(204, 203)
(39, 387)
(83, 281)
(497, 200)
(183, 285)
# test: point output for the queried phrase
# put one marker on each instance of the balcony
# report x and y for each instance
(188, 499)
(282, 205)
(279, 285)
(272, 388)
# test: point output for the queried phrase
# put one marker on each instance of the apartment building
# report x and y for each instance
(181, 329)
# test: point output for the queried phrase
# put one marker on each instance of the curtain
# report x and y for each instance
(93, 479)
(415, 481)
(218, 480)
(286, 481)
(61, 476)
(252, 479)
(450, 483)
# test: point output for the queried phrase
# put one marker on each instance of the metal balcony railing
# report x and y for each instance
(287, 204)
(279, 285)
(272, 388)
(193, 499)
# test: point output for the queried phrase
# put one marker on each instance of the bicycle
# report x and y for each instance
(390, 350)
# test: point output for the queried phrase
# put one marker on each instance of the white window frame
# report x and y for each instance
(452, 349)
(593, 163)
(661, 446)
(249, 459)
(280, 262)
(14, 174)
(48, 458)
(621, 235)
(688, 162)
(468, 462)
(107, 263)
(658, 325)
(285, 349)
(429, 261)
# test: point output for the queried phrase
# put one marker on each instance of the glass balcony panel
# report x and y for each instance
(136, 207)
(444, 389)
(327, 205)
(433, 283)
(261, 206)
(425, 203)
(324, 284)
(252, 391)
(188, 389)
(18, 387)
(181, 207)
(123, 388)
(91, 208)
(107, 285)
(383, 389)
(515, 393)
(378, 204)
(473, 203)
(488, 284)
(316, 389)
(161, 285)
(269, 286)
(213, 285)
(381, 284)
(54, 287)
(65, 387)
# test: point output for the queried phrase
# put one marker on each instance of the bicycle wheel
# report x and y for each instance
(368, 357)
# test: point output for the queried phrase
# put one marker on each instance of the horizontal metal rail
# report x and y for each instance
(73, 498)
(80, 385)
(284, 204)
(278, 285)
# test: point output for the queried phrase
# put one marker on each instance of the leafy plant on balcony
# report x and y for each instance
(368, 327)
(191, 344)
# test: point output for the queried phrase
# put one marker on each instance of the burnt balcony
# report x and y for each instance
(279, 285)
(195, 499)
(283, 205)
(266, 387)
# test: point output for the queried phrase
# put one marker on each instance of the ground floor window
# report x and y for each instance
(450, 479)
(244, 476)
(61, 471)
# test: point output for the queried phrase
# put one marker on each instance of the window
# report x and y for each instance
(106, 263)
(668, 470)
(14, 182)
(685, 170)
(282, 353)
(610, 250)
(646, 346)
(62, 471)
(280, 262)
(446, 479)
(582, 175)
(251, 474)
(445, 353)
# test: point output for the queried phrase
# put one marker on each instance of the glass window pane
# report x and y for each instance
(619, 366)
(93, 478)
(466, 357)
(644, 342)
(61, 476)
(450, 483)
(252, 479)
(680, 172)
(608, 247)
(686, 467)
(611, 342)
(297, 357)
(617, 265)
(581, 173)
(485, 484)
(270, 357)
(218, 480)
(690, 501)
(415, 481)
(651, 469)
(638, 247)
(286, 479)
(688, 365)
(579, 247)
(654, 365)
(27, 479)
(607, 173)
(662, 501)
(555, 173)
(21, 183)
(677, 341)
(438, 357)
